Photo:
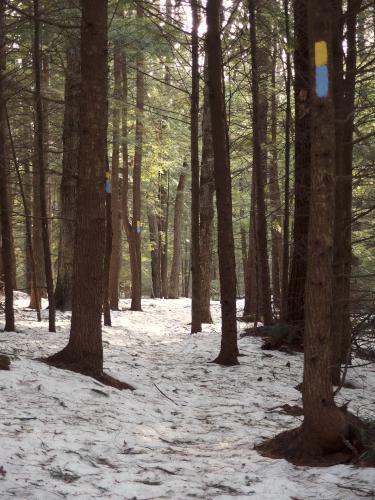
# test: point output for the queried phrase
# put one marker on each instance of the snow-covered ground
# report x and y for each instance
(187, 431)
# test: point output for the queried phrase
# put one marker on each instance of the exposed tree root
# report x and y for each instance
(65, 361)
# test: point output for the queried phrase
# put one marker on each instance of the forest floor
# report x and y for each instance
(187, 431)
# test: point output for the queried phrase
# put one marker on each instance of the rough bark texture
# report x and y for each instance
(84, 352)
(174, 278)
(288, 119)
(68, 189)
(196, 322)
(323, 422)
(5, 219)
(275, 198)
(344, 91)
(207, 189)
(115, 263)
(227, 265)
(40, 148)
(297, 280)
(259, 120)
(325, 426)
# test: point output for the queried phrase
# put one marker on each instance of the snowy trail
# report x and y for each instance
(63, 435)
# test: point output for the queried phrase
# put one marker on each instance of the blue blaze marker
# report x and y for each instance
(321, 81)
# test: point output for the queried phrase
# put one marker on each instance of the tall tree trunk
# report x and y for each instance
(115, 264)
(302, 160)
(40, 145)
(227, 266)
(344, 92)
(38, 291)
(108, 247)
(323, 425)
(196, 322)
(6, 223)
(163, 232)
(324, 428)
(252, 283)
(84, 352)
(173, 291)
(136, 303)
(288, 119)
(275, 198)
(33, 281)
(68, 189)
(125, 175)
(259, 138)
(207, 189)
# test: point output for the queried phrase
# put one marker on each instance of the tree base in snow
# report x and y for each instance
(300, 447)
(226, 360)
(82, 364)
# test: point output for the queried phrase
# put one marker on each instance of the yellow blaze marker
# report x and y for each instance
(321, 53)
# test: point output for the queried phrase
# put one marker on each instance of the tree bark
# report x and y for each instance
(297, 279)
(135, 250)
(163, 232)
(207, 189)
(259, 138)
(40, 146)
(324, 424)
(196, 322)
(288, 119)
(275, 198)
(227, 266)
(68, 189)
(344, 92)
(6, 223)
(115, 263)
(174, 278)
(84, 352)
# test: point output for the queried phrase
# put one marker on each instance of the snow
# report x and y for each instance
(187, 431)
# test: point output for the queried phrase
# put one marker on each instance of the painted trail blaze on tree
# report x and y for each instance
(321, 69)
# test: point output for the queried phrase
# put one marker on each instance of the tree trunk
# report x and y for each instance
(108, 248)
(227, 266)
(28, 228)
(288, 119)
(252, 283)
(259, 138)
(275, 198)
(68, 190)
(324, 424)
(38, 291)
(6, 223)
(207, 189)
(40, 146)
(177, 234)
(153, 224)
(297, 280)
(135, 251)
(163, 233)
(196, 322)
(115, 263)
(84, 352)
(344, 91)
